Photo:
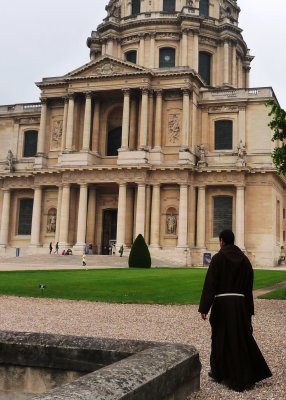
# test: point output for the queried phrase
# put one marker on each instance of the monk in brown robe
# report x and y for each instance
(235, 357)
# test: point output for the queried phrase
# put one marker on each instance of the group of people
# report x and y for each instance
(67, 252)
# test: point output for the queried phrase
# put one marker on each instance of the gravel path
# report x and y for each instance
(155, 322)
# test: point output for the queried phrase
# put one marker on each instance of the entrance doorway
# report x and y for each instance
(109, 226)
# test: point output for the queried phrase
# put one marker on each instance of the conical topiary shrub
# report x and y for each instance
(139, 255)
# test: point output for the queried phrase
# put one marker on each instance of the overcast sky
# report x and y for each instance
(42, 38)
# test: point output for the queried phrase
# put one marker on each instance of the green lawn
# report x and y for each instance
(148, 286)
(279, 294)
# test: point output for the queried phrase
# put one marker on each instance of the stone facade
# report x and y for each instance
(134, 142)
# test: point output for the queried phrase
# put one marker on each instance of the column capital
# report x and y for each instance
(142, 36)
(186, 30)
(144, 90)
(141, 184)
(6, 190)
(184, 185)
(37, 187)
(65, 99)
(88, 95)
(126, 91)
(122, 184)
(70, 96)
(66, 185)
(186, 91)
(158, 92)
(240, 187)
(44, 100)
(84, 184)
(156, 184)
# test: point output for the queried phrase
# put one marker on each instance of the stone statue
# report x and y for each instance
(51, 223)
(190, 3)
(202, 156)
(241, 153)
(113, 9)
(10, 161)
(171, 224)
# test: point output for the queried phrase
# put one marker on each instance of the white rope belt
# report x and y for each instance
(229, 294)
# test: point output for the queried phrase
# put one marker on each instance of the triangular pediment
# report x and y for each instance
(106, 66)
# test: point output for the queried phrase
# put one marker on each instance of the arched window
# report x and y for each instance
(131, 56)
(205, 66)
(25, 216)
(223, 135)
(30, 143)
(167, 57)
(136, 7)
(169, 5)
(204, 7)
(222, 214)
(114, 141)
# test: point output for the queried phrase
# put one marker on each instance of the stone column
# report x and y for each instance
(5, 218)
(42, 130)
(201, 218)
(141, 49)
(140, 211)
(91, 216)
(155, 217)
(158, 120)
(59, 204)
(225, 62)
(247, 74)
(82, 214)
(152, 51)
(183, 217)
(148, 214)
(69, 133)
(186, 118)
(234, 65)
(125, 119)
(144, 119)
(96, 125)
(87, 123)
(36, 217)
(150, 119)
(133, 124)
(241, 125)
(63, 145)
(121, 216)
(184, 48)
(65, 214)
(240, 190)
(196, 50)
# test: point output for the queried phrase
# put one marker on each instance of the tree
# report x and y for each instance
(278, 125)
(139, 255)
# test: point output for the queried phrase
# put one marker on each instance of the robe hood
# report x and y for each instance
(233, 253)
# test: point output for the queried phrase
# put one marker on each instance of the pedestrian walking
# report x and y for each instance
(51, 247)
(121, 250)
(235, 357)
(84, 261)
(57, 248)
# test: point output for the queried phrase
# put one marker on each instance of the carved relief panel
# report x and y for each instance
(173, 127)
(56, 132)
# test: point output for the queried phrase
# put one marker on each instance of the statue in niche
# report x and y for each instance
(113, 9)
(174, 128)
(202, 155)
(57, 132)
(51, 223)
(171, 223)
(190, 3)
(10, 161)
(241, 153)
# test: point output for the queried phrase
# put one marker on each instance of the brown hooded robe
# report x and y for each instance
(235, 357)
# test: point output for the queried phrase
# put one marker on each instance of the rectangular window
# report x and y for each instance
(169, 5)
(222, 214)
(136, 6)
(223, 135)
(25, 216)
(204, 8)
(205, 66)
(30, 143)
(167, 57)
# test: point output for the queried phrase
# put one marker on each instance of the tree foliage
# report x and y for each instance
(139, 255)
(278, 125)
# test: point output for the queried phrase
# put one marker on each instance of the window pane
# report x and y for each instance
(131, 56)
(114, 141)
(167, 57)
(204, 7)
(205, 66)
(136, 7)
(223, 135)
(30, 143)
(222, 218)
(25, 217)
(169, 5)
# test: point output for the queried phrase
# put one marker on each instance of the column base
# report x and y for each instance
(133, 157)
(79, 248)
(33, 246)
(155, 246)
(40, 161)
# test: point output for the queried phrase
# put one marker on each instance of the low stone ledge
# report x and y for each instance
(134, 370)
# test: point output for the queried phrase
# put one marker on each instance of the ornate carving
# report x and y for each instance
(202, 156)
(223, 109)
(113, 9)
(174, 128)
(10, 161)
(241, 153)
(52, 220)
(57, 131)
(171, 222)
